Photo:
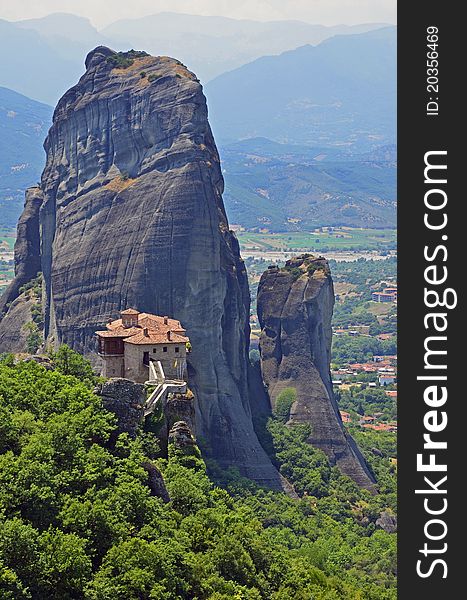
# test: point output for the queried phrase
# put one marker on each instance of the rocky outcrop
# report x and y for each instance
(181, 437)
(132, 215)
(127, 400)
(387, 522)
(27, 253)
(156, 482)
(295, 307)
(13, 333)
(176, 407)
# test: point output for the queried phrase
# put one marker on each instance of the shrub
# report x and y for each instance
(34, 337)
(123, 60)
(284, 403)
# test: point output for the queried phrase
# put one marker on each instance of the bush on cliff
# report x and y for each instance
(284, 403)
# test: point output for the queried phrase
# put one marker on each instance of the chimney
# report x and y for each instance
(166, 320)
(145, 332)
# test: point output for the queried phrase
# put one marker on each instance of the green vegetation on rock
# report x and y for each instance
(284, 403)
(123, 60)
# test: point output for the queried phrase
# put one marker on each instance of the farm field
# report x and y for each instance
(320, 240)
(7, 239)
(7, 242)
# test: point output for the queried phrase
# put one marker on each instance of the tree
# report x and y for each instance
(69, 362)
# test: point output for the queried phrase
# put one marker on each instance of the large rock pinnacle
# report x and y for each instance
(295, 307)
(132, 215)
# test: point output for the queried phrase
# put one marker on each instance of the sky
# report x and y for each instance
(104, 12)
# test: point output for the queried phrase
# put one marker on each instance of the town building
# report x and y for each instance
(386, 379)
(353, 330)
(384, 297)
(130, 343)
(345, 416)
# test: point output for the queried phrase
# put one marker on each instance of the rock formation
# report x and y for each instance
(181, 437)
(27, 248)
(126, 399)
(387, 521)
(15, 306)
(131, 214)
(176, 407)
(295, 307)
(156, 482)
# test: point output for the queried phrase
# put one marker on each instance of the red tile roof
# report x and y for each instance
(122, 332)
(156, 337)
(151, 329)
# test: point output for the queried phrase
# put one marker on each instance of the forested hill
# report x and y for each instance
(81, 520)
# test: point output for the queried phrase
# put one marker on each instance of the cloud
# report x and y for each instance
(103, 12)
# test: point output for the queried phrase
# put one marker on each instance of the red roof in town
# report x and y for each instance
(381, 427)
(130, 311)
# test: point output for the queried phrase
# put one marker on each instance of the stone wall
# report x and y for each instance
(113, 366)
(135, 368)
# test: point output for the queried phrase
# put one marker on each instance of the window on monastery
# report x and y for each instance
(177, 349)
(164, 349)
(154, 350)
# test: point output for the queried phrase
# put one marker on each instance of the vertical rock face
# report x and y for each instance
(27, 247)
(126, 399)
(176, 407)
(295, 307)
(132, 215)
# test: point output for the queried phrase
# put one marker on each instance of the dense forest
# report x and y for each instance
(78, 519)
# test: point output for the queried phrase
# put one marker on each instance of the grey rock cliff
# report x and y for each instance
(126, 399)
(387, 522)
(181, 437)
(27, 249)
(156, 482)
(176, 407)
(132, 215)
(13, 334)
(295, 307)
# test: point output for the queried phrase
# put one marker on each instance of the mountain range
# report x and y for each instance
(23, 127)
(282, 187)
(340, 93)
(45, 55)
(306, 137)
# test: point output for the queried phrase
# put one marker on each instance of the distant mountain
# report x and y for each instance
(341, 94)
(23, 127)
(39, 66)
(63, 26)
(46, 55)
(294, 188)
(212, 45)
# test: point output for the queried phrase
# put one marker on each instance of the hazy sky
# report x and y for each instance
(103, 12)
